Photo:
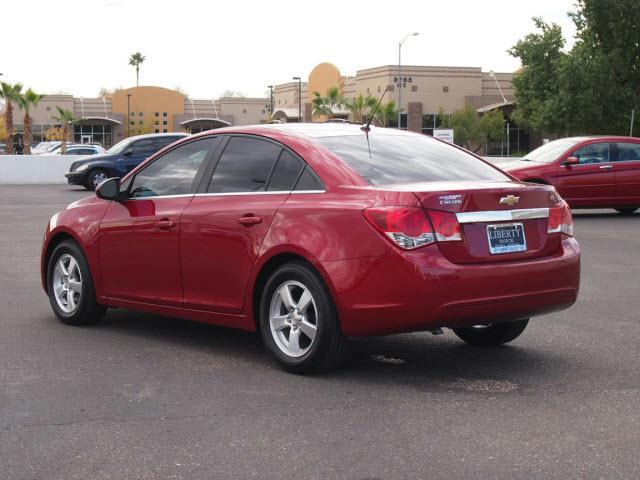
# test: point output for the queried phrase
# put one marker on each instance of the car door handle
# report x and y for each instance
(249, 220)
(606, 167)
(165, 224)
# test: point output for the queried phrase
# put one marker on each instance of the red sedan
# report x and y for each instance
(313, 233)
(589, 172)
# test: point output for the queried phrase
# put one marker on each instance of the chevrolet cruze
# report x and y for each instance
(314, 233)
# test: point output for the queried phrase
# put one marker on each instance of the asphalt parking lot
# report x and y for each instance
(146, 397)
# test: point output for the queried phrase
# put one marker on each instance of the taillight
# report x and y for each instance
(560, 220)
(407, 227)
(446, 226)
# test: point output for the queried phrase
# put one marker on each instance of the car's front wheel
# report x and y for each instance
(70, 286)
(626, 211)
(299, 322)
(95, 178)
(491, 335)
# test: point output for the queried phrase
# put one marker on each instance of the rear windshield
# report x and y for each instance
(398, 159)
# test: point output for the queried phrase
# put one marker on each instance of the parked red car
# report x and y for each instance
(312, 233)
(588, 172)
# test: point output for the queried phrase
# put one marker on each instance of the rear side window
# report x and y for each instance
(244, 166)
(309, 181)
(399, 159)
(173, 173)
(142, 146)
(286, 173)
(628, 152)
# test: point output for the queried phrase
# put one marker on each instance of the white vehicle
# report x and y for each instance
(79, 149)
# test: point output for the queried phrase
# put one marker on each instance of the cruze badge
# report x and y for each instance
(451, 199)
(509, 200)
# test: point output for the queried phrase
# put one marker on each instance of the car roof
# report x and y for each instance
(599, 137)
(158, 135)
(311, 130)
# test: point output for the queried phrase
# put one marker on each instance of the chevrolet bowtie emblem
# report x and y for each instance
(509, 200)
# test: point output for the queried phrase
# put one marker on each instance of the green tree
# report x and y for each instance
(386, 112)
(136, 60)
(66, 118)
(472, 131)
(328, 104)
(361, 107)
(26, 101)
(593, 87)
(9, 93)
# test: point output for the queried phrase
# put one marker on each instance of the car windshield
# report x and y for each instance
(388, 159)
(120, 146)
(551, 151)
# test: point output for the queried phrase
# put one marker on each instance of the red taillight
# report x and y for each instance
(560, 220)
(407, 227)
(446, 226)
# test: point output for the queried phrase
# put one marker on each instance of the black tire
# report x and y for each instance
(626, 211)
(93, 176)
(87, 310)
(492, 335)
(329, 348)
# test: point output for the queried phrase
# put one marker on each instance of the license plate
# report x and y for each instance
(506, 238)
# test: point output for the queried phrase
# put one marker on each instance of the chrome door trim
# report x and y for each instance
(502, 215)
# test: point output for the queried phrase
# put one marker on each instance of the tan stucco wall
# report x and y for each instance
(150, 100)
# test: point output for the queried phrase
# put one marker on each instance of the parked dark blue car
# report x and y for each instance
(119, 160)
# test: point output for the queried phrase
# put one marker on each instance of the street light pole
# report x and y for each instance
(270, 87)
(399, 84)
(128, 113)
(299, 98)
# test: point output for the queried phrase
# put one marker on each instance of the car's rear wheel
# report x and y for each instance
(491, 335)
(299, 322)
(70, 286)
(95, 178)
(626, 211)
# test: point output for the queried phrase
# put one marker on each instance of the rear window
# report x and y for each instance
(398, 159)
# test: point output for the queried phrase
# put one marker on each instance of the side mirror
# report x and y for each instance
(128, 152)
(571, 161)
(109, 189)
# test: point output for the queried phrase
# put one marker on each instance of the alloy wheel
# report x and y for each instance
(67, 283)
(293, 318)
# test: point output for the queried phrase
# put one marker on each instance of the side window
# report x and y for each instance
(309, 180)
(628, 152)
(594, 153)
(142, 146)
(244, 166)
(174, 172)
(286, 173)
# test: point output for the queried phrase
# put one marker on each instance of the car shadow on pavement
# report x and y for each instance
(443, 360)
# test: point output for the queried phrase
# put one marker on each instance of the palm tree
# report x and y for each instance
(66, 118)
(26, 101)
(360, 107)
(135, 60)
(327, 105)
(9, 93)
(385, 113)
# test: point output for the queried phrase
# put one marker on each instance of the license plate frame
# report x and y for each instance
(501, 246)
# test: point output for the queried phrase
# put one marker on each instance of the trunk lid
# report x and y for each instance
(485, 209)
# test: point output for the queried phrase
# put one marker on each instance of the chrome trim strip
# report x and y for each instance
(502, 215)
(227, 194)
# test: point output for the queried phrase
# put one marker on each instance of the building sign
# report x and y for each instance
(445, 134)
(402, 81)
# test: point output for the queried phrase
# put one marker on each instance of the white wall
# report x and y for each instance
(27, 169)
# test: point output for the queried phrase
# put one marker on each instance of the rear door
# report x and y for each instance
(627, 169)
(592, 182)
(224, 226)
(139, 236)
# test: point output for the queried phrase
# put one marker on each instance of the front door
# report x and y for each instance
(86, 138)
(592, 181)
(139, 236)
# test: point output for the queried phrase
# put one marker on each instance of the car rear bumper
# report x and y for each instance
(422, 290)
(75, 178)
